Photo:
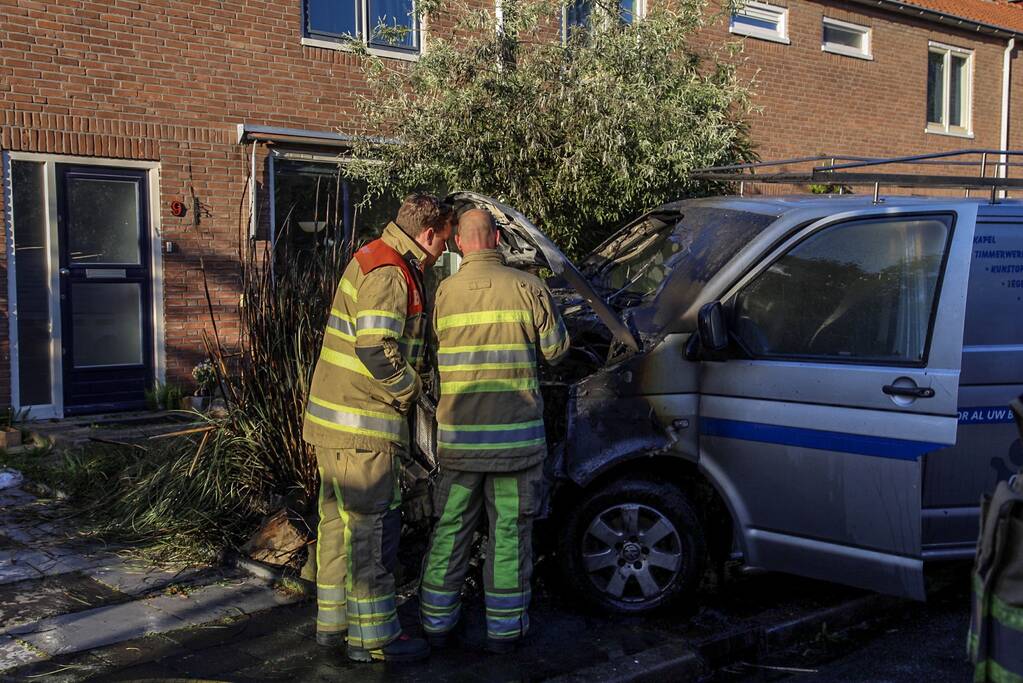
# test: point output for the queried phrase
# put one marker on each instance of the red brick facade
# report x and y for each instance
(170, 80)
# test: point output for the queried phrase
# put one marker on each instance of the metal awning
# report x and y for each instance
(297, 136)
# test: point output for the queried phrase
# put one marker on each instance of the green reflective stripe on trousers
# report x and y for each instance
(989, 670)
(349, 289)
(444, 535)
(489, 385)
(343, 360)
(506, 530)
(1005, 613)
(483, 318)
(355, 420)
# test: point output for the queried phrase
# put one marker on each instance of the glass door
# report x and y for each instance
(106, 304)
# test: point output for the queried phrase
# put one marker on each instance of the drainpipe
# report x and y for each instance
(1003, 168)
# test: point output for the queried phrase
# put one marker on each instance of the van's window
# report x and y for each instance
(858, 291)
(994, 302)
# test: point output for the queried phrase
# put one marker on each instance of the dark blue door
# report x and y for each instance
(106, 300)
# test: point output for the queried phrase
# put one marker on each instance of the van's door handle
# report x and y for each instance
(912, 392)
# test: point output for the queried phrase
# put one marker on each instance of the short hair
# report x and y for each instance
(420, 211)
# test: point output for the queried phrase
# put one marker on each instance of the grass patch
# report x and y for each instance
(180, 499)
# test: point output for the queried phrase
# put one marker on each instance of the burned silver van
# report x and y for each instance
(820, 383)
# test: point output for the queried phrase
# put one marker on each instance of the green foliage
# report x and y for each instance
(829, 188)
(580, 135)
(164, 397)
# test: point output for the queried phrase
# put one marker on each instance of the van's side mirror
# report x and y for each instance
(711, 327)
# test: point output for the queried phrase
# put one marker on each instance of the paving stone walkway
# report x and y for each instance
(61, 593)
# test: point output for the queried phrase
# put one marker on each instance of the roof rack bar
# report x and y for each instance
(848, 170)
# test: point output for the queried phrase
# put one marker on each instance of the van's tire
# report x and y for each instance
(603, 564)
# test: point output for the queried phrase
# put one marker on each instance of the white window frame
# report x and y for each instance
(839, 49)
(764, 12)
(55, 409)
(965, 130)
(362, 18)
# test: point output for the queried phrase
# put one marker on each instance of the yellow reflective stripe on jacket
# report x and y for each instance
(355, 420)
(343, 360)
(472, 367)
(341, 325)
(477, 386)
(349, 289)
(554, 337)
(484, 318)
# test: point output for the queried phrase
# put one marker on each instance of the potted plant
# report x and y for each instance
(205, 376)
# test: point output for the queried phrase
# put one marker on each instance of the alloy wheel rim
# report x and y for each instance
(632, 552)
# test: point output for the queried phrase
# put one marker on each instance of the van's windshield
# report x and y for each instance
(691, 245)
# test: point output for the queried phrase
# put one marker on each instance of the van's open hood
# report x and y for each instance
(523, 245)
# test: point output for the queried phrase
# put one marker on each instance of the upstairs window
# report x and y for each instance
(949, 89)
(760, 20)
(580, 13)
(844, 38)
(384, 25)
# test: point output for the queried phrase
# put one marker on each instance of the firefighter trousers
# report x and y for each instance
(356, 545)
(511, 500)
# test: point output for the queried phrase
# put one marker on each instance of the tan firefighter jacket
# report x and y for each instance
(367, 374)
(491, 321)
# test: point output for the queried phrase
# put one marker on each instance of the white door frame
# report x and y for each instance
(50, 161)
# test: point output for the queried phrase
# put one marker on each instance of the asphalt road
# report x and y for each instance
(920, 642)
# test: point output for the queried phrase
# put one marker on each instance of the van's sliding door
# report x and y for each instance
(852, 336)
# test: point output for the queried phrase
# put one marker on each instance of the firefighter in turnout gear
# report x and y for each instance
(365, 381)
(491, 322)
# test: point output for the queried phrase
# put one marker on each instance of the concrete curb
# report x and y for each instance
(684, 661)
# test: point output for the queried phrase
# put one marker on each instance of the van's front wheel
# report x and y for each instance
(633, 546)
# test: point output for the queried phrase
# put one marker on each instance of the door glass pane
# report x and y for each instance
(31, 264)
(578, 14)
(103, 221)
(957, 92)
(935, 87)
(857, 291)
(396, 16)
(107, 323)
(331, 18)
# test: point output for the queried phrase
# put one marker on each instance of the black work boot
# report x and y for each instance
(331, 639)
(404, 649)
(440, 641)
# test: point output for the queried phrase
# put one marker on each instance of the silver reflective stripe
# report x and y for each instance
(378, 324)
(360, 424)
(489, 356)
(455, 434)
(554, 337)
(342, 326)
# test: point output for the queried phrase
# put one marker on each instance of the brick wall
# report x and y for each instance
(169, 80)
(815, 102)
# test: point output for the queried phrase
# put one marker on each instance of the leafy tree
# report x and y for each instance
(579, 134)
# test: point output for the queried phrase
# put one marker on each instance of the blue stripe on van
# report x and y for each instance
(861, 444)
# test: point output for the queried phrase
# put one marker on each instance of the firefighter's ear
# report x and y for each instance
(458, 243)
(497, 237)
